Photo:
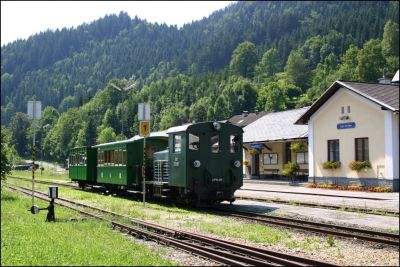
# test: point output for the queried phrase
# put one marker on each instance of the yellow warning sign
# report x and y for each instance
(144, 128)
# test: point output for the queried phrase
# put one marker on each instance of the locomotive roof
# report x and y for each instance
(177, 129)
(135, 138)
(183, 128)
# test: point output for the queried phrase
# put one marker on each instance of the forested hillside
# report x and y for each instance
(251, 55)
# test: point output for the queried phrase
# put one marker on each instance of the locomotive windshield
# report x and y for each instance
(193, 142)
(235, 144)
(215, 144)
(177, 143)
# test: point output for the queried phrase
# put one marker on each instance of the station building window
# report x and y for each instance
(333, 150)
(302, 157)
(362, 149)
(270, 158)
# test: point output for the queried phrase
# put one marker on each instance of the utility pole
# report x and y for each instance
(123, 90)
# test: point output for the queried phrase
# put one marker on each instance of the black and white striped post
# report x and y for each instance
(34, 112)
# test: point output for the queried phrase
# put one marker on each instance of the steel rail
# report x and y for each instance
(323, 206)
(310, 194)
(325, 228)
(257, 256)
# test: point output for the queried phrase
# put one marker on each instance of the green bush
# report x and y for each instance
(291, 169)
(297, 146)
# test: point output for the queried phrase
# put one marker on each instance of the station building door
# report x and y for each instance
(255, 164)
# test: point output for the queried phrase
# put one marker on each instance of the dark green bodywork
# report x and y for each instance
(129, 175)
(82, 164)
(216, 178)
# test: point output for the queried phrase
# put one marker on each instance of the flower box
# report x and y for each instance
(331, 165)
(360, 165)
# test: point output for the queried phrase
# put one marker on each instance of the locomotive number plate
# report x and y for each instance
(216, 180)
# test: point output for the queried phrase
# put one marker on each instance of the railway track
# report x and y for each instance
(322, 228)
(323, 206)
(310, 194)
(218, 250)
(304, 204)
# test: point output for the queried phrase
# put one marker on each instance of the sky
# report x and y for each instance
(21, 19)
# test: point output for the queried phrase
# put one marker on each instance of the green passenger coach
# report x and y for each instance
(82, 165)
(119, 164)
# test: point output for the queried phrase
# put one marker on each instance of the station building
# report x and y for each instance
(268, 144)
(356, 124)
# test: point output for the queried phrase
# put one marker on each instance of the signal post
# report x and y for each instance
(34, 112)
(144, 131)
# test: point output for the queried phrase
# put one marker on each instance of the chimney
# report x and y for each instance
(384, 79)
(245, 113)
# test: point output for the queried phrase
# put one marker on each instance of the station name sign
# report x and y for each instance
(346, 125)
(256, 146)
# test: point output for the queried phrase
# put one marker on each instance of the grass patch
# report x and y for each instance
(308, 244)
(47, 175)
(26, 239)
(227, 227)
(176, 217)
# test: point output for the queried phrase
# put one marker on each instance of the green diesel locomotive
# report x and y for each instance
(194, 163)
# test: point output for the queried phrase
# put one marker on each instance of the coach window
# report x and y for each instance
(215, 144)
(107, 157)
(235, 143)
(112, 157)
(80, 160)
(177, 144)
(124, 157)
(100, 158)
(116, 157)
(193, 142)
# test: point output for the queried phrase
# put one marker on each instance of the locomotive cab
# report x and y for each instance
(205, 161)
